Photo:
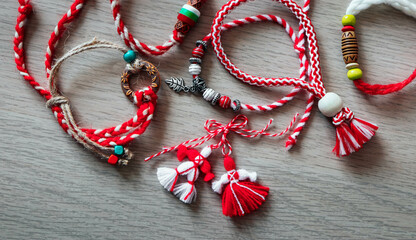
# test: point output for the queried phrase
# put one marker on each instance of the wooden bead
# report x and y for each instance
(330, 104)
(349, 47)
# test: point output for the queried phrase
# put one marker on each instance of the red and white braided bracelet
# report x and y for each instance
(350, 45)
(352, 132)
(107, 143)
(187, 18)
(210, 95)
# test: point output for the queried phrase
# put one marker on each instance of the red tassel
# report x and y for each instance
(241, 198)
(241, 195)
(351, 138)
(346, 142)
(363, 130)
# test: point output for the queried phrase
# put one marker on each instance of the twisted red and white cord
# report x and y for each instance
(109, 137)
(237, 125)
(226, 102)
(176, 37)
(329, 105)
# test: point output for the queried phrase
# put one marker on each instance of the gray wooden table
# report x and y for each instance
(51, 188)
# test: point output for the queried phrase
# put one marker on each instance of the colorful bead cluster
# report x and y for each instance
(118, 152)
(350, 47)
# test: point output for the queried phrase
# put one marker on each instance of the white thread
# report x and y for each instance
(406, 6)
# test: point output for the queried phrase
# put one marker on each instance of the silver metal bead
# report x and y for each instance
(236, 106)
(216, 98)
(204, 44)
(195, 60)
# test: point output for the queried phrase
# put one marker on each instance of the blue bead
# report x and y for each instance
(129, 56)
(118, 150)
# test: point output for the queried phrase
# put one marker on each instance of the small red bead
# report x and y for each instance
(225, 102)
(113, 159)
(198, 52)
(348, 28)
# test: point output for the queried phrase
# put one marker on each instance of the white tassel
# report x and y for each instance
(217, 185)
(167, 177)
(244, 174)
(186, 192)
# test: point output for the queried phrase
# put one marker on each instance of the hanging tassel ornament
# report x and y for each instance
(240, 192)
(168, 177)
(351, 132)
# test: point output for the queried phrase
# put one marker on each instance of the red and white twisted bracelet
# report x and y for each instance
(210, 95)
(187, 18)
(110, 142)
(352, 132)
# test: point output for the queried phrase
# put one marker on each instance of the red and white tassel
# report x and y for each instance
(168, 177)
(240, 193)
(351, 132)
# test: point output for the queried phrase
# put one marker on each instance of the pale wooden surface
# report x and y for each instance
(51, 188)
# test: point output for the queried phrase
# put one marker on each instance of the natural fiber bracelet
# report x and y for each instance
(350, 45)
(110, 142)
(216, 98)
(187, 18)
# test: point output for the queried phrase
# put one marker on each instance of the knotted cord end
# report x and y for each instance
(351, 132)
(58, 100)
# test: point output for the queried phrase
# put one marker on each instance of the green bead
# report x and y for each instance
(189, 14)
(119, 150)
(129, 56)
(354, 74)
(348, 20)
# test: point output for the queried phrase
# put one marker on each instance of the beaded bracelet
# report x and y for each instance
(210, 95)
(107, 143)
(351, 132)
(187, 18)
(350, 45)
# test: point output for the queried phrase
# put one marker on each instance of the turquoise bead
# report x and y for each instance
(129, 56)
(118, 150)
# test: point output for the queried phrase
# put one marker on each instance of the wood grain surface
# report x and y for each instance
(51, 188)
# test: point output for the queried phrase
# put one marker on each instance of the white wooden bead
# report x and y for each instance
(194, 69)
(330, 104)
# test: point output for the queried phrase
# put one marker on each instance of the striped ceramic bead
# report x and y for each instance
(225, 102)
(188, 14)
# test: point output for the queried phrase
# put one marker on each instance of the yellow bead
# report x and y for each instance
(354, 74)
(348, 20)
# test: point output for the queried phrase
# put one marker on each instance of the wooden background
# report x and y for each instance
(51, 188)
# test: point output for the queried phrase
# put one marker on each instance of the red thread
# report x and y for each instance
(131, 42)
(383, 89)
(118, 135)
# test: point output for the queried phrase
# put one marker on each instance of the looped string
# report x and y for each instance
(58, 100)
(214, 128)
